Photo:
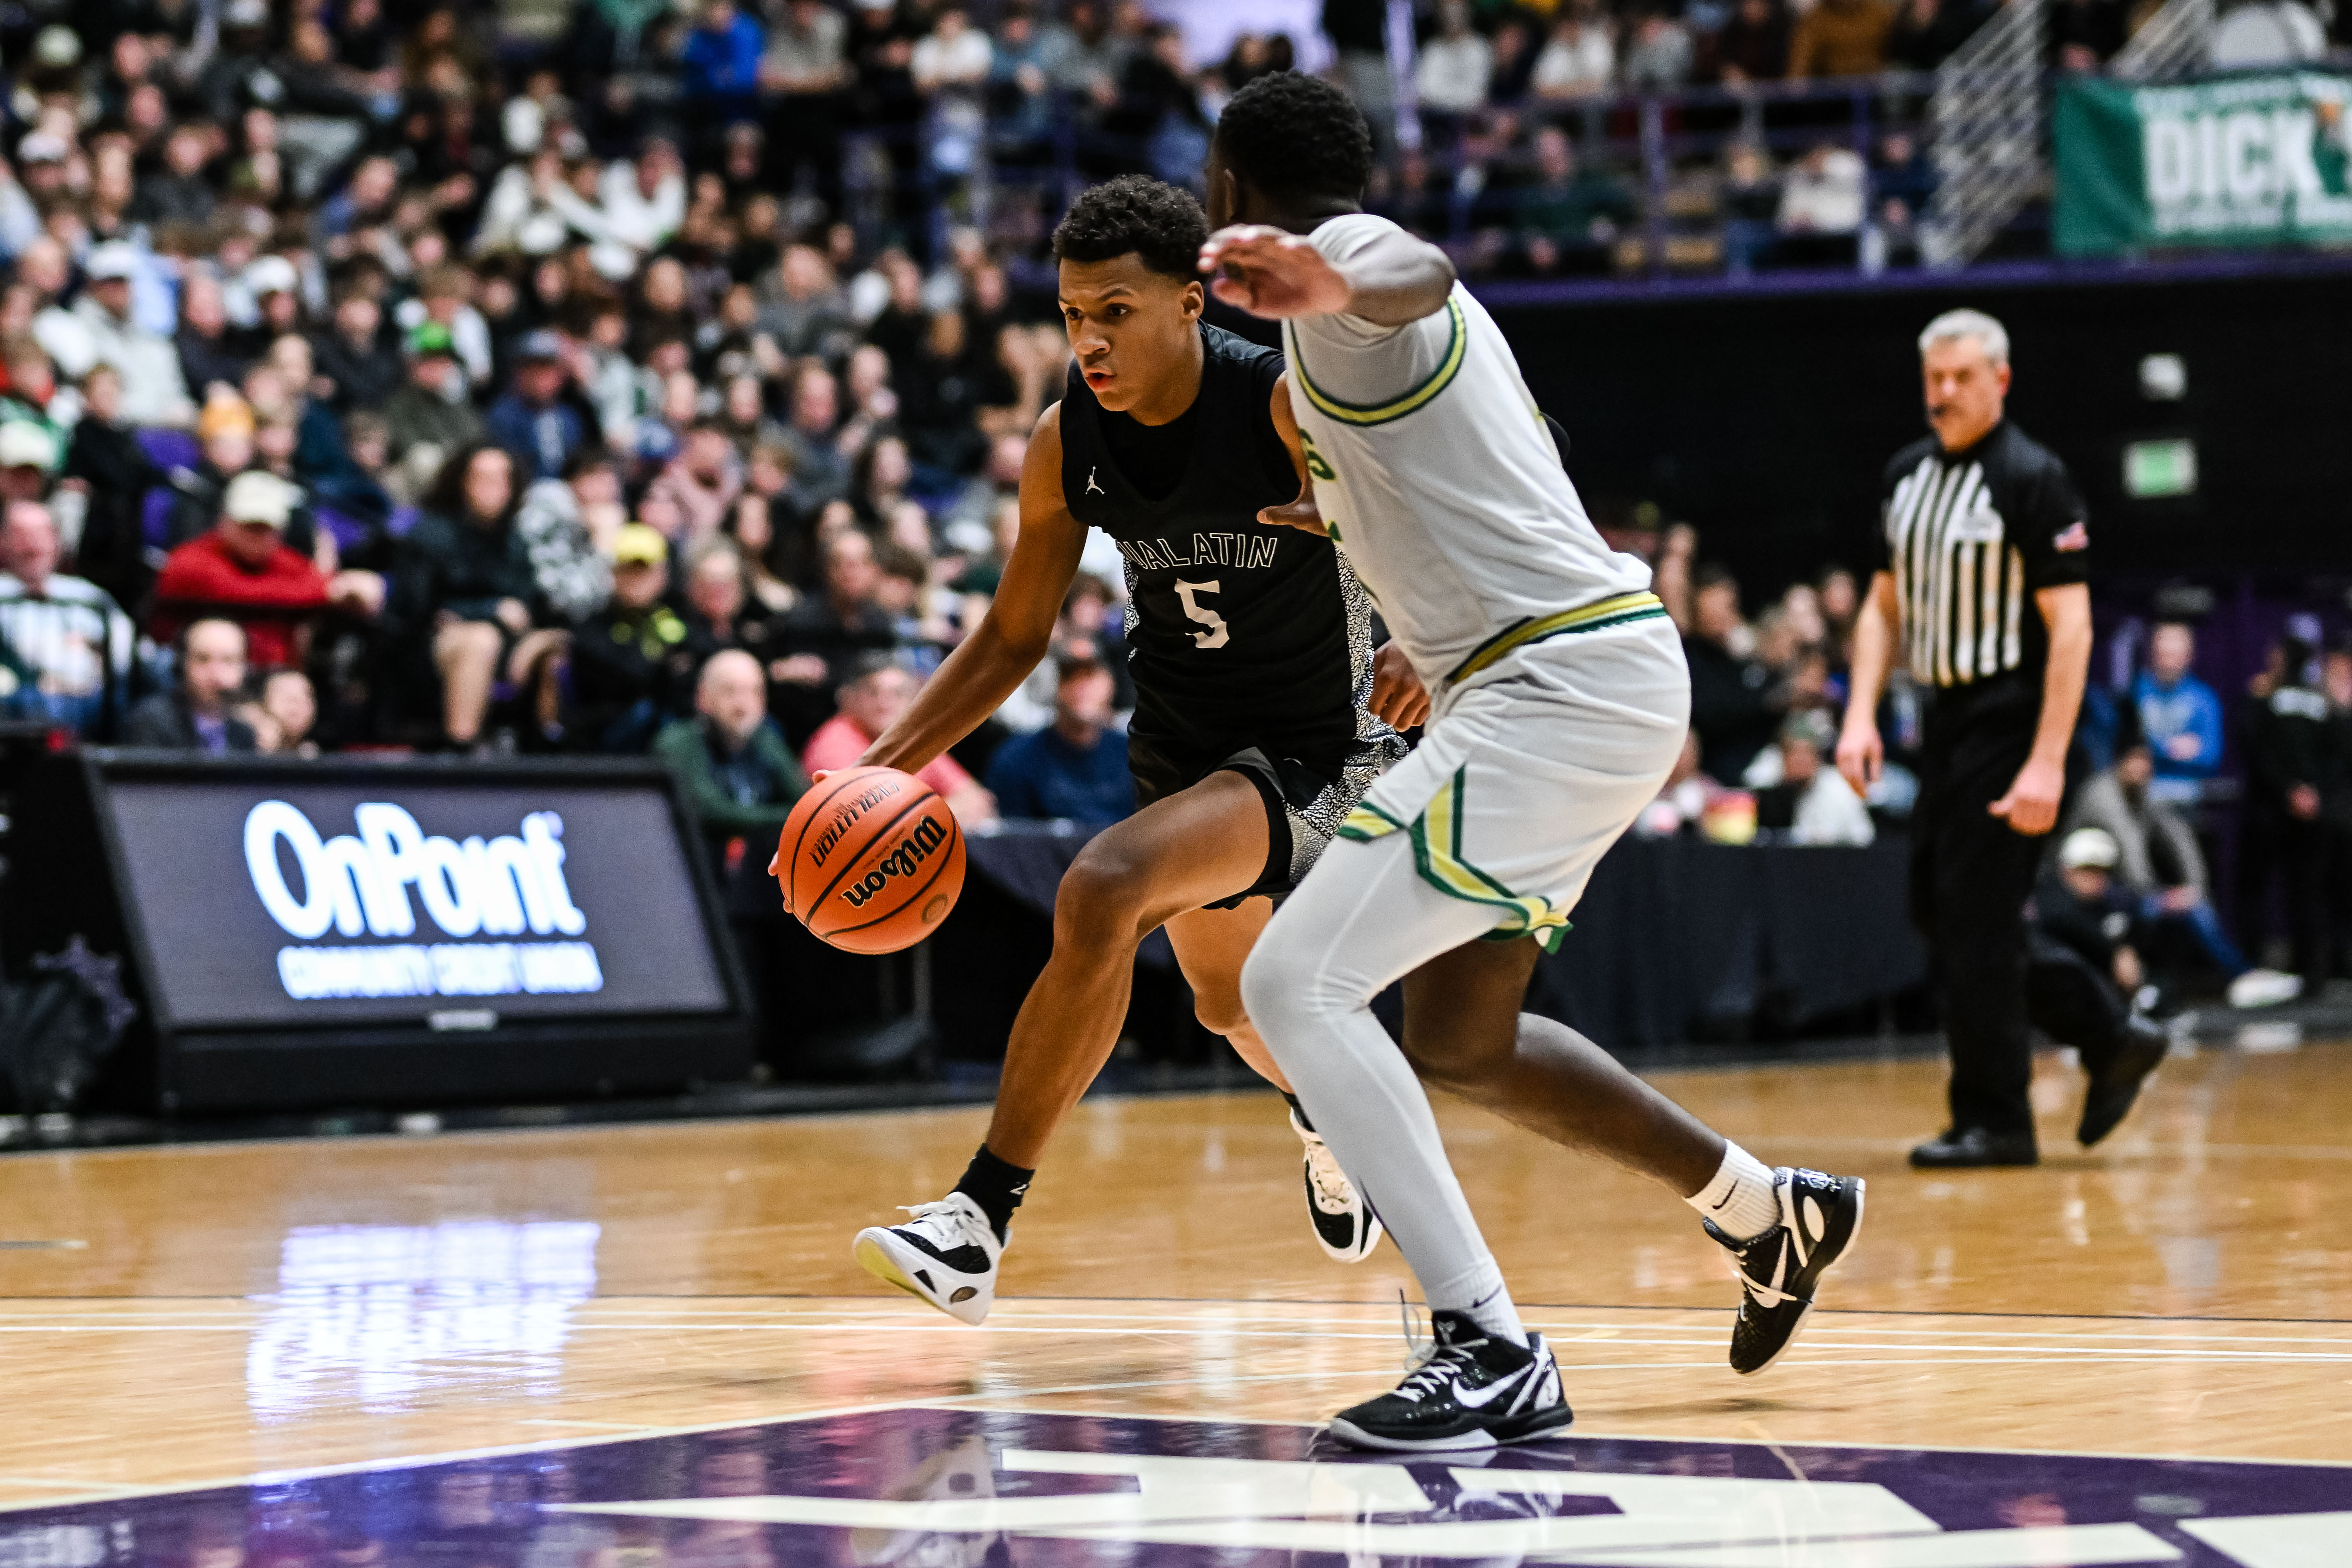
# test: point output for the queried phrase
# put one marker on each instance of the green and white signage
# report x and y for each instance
(2249, 160)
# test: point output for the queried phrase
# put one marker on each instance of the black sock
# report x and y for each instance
(1304, 1121)
(996, 1186)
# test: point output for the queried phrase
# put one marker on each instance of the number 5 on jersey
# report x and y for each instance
(1218, 634)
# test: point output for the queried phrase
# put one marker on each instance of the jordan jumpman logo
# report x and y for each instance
(1093, 489)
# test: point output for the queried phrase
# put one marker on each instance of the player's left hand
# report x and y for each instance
(1271, 272)
(2030, 807)
(1398, 696)
(1302, 513)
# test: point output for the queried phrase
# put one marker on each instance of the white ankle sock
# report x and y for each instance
(1481, 1296)
(1741, 1200)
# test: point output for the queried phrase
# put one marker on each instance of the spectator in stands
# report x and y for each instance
(153, 392)
(1662, 55)
(806, 70)
(2159, 861)
(210, 352)
(29, 456)
(820, 640)
(1074, 768)
(430, 416)
(112, 472)
(1450, 77)
(737, 774)
(467, 592)
(870, 702)
(1754, 45)
(630, 663)
(565, 524)
(1926, 32)
(2284, 833)
(719, 67)
(1825, 192)
(1568, 210)
(1733, 708)
(1809, 803)
(2085, 34)
(1752, 206)
(702, 482)
(352, 358)
(242, 567)
(2179, 713)
(2084, 974)
(1841, 37)
(538, 428)
(198, 714)
(1578, 61)
(820, 468)
(283, 714)
(68, 635)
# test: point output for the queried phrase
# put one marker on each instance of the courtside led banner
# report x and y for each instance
(2241, 160)
(276, 901)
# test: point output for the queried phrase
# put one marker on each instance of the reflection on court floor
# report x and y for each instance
(924, 1487)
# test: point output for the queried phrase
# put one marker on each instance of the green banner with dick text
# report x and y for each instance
(2239, 160)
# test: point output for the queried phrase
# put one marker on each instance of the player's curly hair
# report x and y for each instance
(1296, 137)
(1135, 214)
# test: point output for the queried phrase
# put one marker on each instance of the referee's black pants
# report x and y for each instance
(1970, 877)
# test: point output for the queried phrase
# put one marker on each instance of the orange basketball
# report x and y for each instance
(871, 861)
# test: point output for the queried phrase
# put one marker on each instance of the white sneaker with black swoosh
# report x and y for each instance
(947, 1255)
(1474, 1391)
(1345, 1226)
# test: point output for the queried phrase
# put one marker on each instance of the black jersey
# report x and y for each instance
(1970, 537)
(1239, 634)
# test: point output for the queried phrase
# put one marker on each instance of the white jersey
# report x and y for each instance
(1434, 471)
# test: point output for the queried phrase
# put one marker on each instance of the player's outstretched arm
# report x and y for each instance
(1389, 278)
(1016, 634)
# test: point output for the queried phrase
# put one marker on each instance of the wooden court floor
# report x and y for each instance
(180, 1317)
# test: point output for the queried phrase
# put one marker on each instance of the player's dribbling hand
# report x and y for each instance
(1398, 696)
(1271, 272)
(1860, 755)
(1302, 513)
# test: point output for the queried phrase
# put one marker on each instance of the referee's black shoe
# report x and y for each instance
(2117, 1083)
(1974, 1147)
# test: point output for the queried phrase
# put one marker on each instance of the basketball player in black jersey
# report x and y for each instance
(1262, 711)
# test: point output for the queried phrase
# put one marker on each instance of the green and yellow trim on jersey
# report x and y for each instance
(1436, 836)
(1449, 365)
(1619, 610)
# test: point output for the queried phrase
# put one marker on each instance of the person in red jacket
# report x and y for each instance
(243, 570)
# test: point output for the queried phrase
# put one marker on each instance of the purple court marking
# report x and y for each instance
(953, 1488)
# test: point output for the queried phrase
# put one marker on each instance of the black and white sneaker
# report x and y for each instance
(1781, 1270)
(1345, 1226)
(1474, 1391)
(947, 1255)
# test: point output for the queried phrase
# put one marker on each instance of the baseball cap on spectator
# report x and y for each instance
(223, 415)
(257, 496)
(638, 544)
(270, 275)
(24, 445)
(57, 46)
(246, 14)
(539, 345)
(43, 147)
(429, 339)
(2091, 847)
(27, 444)
(111, 262)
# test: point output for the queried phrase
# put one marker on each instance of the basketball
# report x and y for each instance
(871, 861)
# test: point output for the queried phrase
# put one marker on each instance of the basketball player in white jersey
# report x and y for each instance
(1561, 700)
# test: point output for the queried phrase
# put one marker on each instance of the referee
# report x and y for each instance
(1979, 582)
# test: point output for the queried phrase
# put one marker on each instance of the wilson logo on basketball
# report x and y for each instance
(847, 819)
(921, 840)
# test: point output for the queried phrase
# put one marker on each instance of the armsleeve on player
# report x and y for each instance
(2052, 531)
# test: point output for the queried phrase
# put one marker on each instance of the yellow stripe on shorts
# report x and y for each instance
(1437, 853)
(1612, 612)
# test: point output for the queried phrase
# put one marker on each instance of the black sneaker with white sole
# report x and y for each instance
(1781, 1270)
(947, 1255)
(1345, 1226)
(1474, 1391)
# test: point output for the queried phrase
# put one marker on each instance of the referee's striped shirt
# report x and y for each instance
(1970, 537)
